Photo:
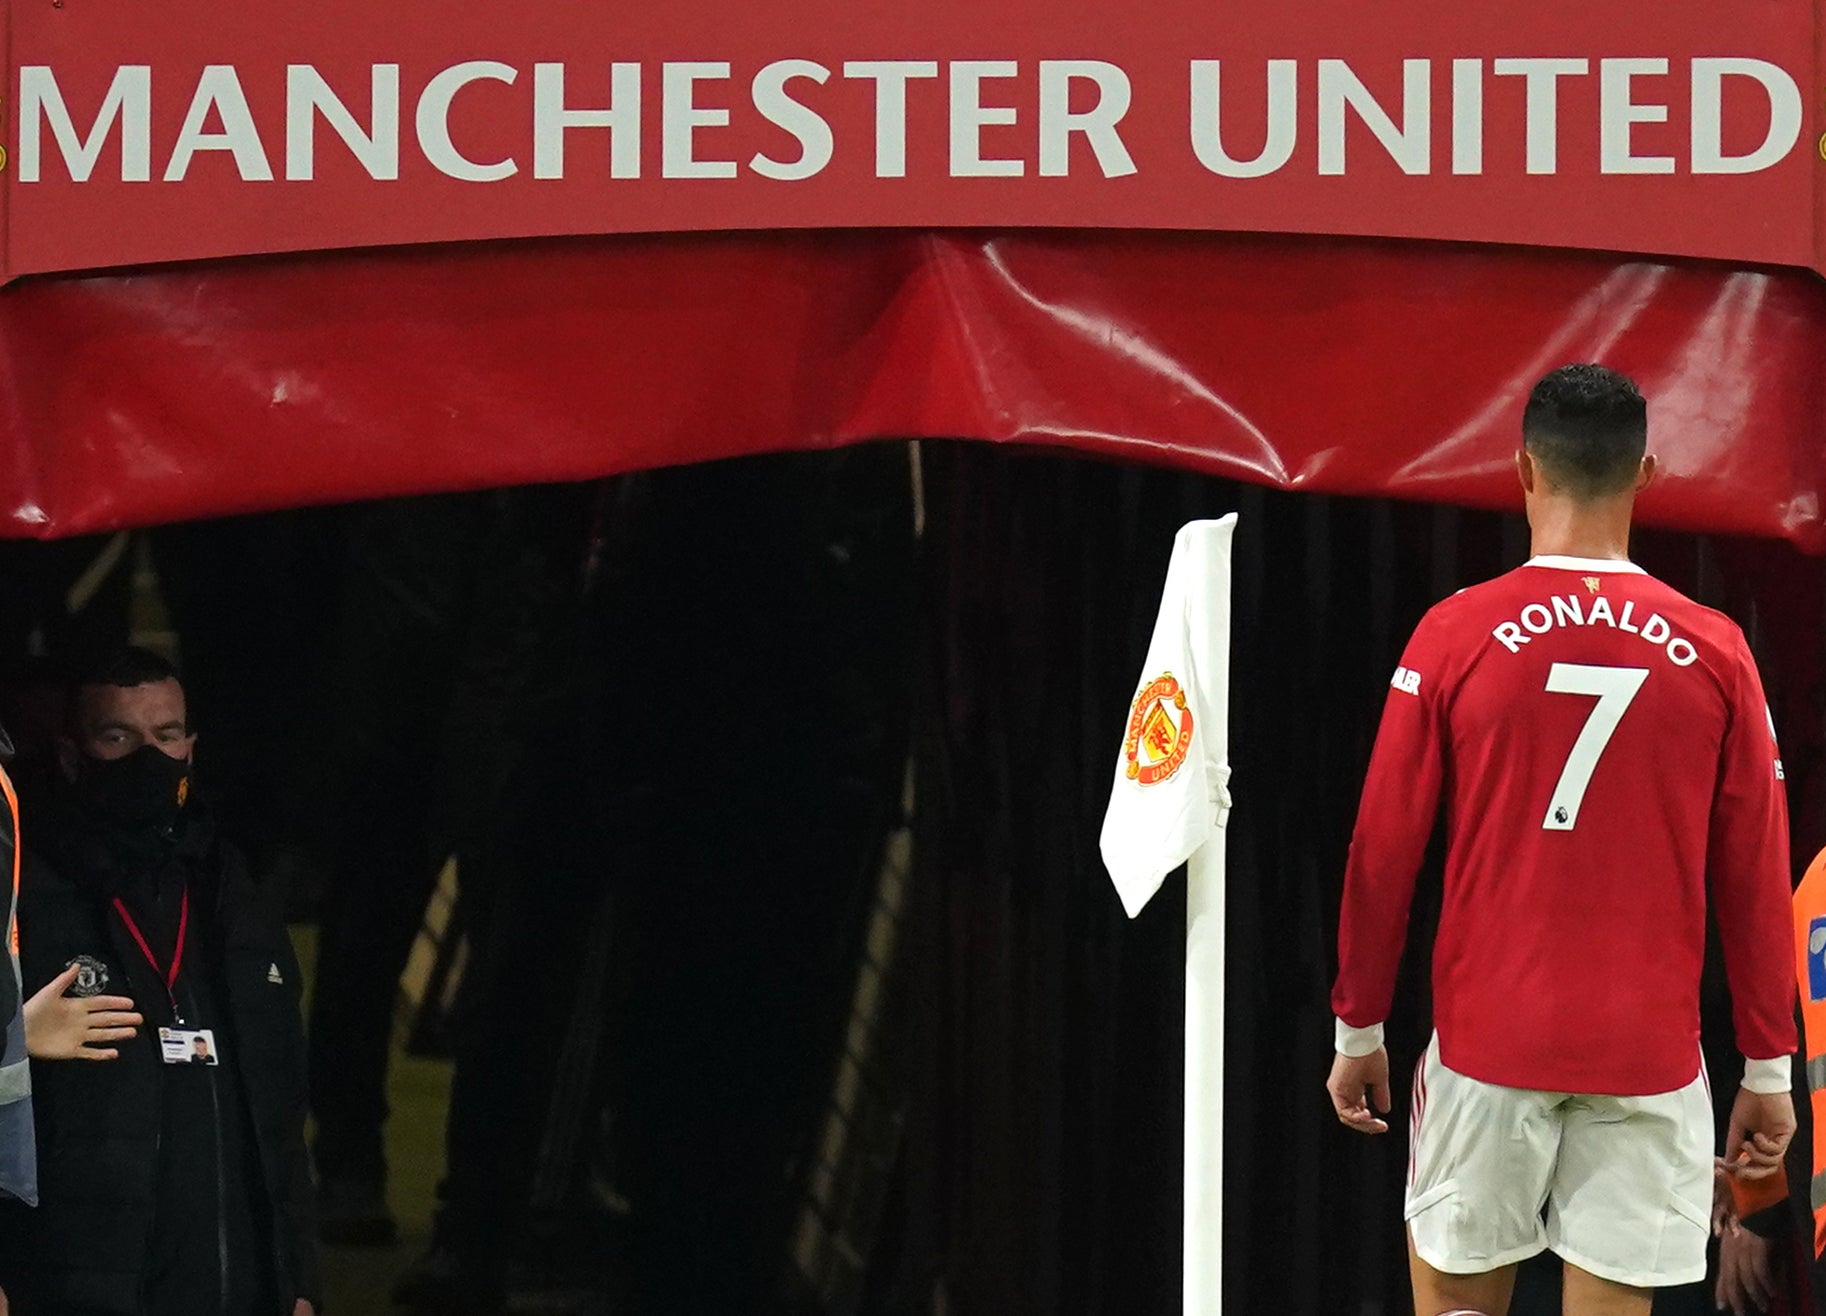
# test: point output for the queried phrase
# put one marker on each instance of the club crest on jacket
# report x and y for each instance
(91, 976)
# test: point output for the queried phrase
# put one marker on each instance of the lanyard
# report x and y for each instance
(177, 953)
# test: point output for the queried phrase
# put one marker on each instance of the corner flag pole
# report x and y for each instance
(1204, 1081)
(1204, 1228)
(1169, 802)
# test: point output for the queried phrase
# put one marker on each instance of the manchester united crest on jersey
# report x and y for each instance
(1160, 731)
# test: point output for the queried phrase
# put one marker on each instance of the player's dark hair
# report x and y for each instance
(1587, 428)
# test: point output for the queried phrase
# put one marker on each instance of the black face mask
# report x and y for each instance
(145, 789)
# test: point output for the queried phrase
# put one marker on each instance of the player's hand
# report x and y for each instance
(59, 1027)
(1746, 1275)
(1355, 1083)
(1762, 1125)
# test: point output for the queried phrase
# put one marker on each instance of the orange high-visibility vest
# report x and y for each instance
(18, 1144)
(12, 810)
(1810, 969)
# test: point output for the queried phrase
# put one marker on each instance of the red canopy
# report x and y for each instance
(1347, 366)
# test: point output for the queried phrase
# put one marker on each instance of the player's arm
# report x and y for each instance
(1394, 822)
(1747, 858)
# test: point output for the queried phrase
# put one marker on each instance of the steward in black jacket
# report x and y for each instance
(166, 1189)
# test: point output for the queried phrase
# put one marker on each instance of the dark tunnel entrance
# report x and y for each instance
(782, 974)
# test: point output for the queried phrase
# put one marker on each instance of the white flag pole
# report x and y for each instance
(1169, 801)
(1204, 1232)
(1204, 1095)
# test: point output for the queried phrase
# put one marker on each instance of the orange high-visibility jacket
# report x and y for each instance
(1810, 967)
(18, 1154)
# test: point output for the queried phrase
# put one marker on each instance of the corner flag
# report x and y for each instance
(1170, 794)
(1168, 806)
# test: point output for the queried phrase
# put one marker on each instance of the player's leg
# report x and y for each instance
(1629, 1209)
(1587, 1295)
(1437, 1293)
(1481, 1159)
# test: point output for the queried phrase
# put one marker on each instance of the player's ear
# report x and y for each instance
(1524, 469)
(1646, 475)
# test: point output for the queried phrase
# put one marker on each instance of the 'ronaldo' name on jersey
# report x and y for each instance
(1569, 610)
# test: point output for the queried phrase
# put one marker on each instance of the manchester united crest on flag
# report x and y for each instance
(1160, 731)
(1168, 791)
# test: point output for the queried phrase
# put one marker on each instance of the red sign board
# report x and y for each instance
(143, 130)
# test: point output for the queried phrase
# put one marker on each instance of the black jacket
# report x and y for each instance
(100, 1232)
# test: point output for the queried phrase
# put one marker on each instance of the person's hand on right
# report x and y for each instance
(59, 1027)
(1762, 1125)
(1355, 1082)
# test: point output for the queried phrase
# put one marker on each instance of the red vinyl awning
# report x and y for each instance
(1344, 366)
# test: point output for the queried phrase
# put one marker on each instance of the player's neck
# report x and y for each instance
(1563, 527)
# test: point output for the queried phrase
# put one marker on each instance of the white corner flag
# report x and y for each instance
(1168, 806)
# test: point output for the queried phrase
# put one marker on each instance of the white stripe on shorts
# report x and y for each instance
(1418, 1104)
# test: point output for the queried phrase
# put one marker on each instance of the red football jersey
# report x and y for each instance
(1604, 751)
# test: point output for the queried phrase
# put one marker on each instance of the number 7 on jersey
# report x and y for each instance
(1615, 687)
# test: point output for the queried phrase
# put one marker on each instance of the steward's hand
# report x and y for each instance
(1356, 1082)
(1724, 1205)
(1762, 1125)
(59, 1027)
(1746, 1279)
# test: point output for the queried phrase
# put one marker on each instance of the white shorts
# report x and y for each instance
(1618, 1186)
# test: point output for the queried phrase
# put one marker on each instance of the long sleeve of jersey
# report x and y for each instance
(1394, 823)
(1747, 863)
